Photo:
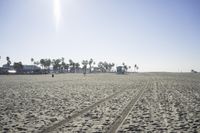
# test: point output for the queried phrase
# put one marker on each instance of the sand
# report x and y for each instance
(154, 102)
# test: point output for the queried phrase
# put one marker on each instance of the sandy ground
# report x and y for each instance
(145, 102)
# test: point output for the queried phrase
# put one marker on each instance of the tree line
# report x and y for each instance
(72, 66)
(61, 65)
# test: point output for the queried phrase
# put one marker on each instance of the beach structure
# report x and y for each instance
(120, 70)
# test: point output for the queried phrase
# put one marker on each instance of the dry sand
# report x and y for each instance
(100, 103)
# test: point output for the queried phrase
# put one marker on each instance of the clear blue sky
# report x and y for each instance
(158, 35)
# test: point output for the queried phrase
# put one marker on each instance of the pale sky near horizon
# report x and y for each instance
(158, 35)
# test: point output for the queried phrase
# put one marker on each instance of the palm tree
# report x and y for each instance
(63, 59)
(129, 67)
(101, 66)
(84, 63)
(42, 62)
(63, 63)
(125, 68)
(136, 68)
(37, 63)
(106, 66)
(18, 66)
(66, 67)
(8, 61)
(47, 63)
(77, 66)
(110, 65)
(90, 64)
(56, 64)
(32, 60)
(72, 64)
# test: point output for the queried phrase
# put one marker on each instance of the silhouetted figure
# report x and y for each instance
(52, 75)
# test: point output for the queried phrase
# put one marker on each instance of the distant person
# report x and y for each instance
(52, 75)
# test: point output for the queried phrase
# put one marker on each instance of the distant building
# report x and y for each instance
(31, 69)
(78, 70)
(8, 67)
(96, 70)
(3, 70)
(72, 69)
(26, 69)
(120, 70)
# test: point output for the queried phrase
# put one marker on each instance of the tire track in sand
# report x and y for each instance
(115, 126)
(64, 121)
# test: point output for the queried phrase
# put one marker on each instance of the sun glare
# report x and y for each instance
(57, 13)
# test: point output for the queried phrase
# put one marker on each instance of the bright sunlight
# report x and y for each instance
(57, 13)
